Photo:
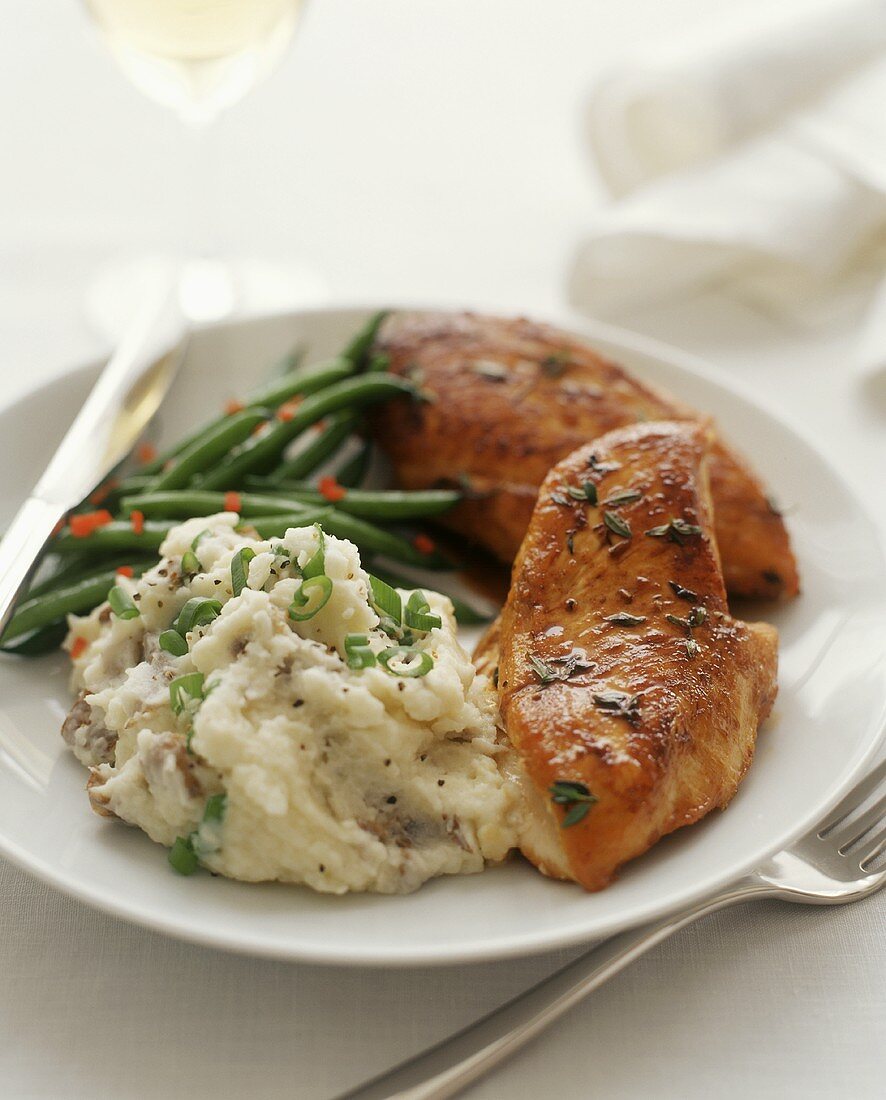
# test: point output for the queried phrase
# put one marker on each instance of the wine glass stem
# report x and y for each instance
(208, 291)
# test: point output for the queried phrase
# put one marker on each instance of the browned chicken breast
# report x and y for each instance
(630, 695)
(509, 398)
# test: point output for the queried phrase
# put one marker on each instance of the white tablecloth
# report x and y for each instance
(407, 150)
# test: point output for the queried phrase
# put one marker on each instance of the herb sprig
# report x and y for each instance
(575, 795)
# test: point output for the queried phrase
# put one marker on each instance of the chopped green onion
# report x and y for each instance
(316, 564)
(199, 538)
(184, 688)
(216, 805)
(358, 653)
(121, 604)
(386, 603)
(313, 594)
(240, 569)
(190, 562)
(198, 611)
(182, 857)
(409, 662)
(170, 641)
(417, 617)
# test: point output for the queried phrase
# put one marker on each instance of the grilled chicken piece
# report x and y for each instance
(509, 398)
(630, 695)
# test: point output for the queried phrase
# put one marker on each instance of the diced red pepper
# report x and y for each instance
(330, 489)
(288, 411)
(78, 647)
(233, 503)
(146, 452)
(102, 492)
(125, 571)
(424, 545)
(83, 524)
(137, 519)
(234, 406)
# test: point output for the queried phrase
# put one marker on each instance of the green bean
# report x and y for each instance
(302, 382)
(79, 567)
(380, 505)
(275, 527)
(466, 613)
(319, 449)
(41, 611)
(378, 363)
(40, 641)
(358, 348)
(266, 450)
(353, 470)
(208, 449)
(183, 503)
(119, 535)
(376, 540)
(134, 483)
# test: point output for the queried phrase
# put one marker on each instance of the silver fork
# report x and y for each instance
(829, 866)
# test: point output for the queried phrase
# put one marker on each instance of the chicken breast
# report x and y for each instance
(631, 696)
(509, 398)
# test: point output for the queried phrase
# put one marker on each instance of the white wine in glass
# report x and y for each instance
(197, 56)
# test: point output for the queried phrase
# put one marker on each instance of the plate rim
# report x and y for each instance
(618, 340)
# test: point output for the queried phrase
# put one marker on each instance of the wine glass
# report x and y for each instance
(198, 57)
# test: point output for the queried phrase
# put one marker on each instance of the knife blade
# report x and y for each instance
(124, 399)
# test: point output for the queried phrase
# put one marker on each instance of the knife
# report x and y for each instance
(121, 404)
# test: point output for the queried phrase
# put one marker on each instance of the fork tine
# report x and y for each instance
(854, 799)
(847, 835)
(876, 844)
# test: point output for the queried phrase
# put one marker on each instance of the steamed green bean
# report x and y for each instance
(327, 442)
(266, 450)
(209, 448)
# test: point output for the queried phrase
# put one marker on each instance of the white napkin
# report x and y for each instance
(750, 156)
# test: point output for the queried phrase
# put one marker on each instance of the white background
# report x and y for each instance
(408, 149)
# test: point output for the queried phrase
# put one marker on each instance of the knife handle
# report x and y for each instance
(21, 548)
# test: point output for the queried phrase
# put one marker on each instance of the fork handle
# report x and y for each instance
(453, 1064)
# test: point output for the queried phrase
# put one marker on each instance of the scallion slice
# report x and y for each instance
(240, 569)
(316, 563)
(184, 689)
(170, 641)
(357, 651)
(182, 857)
(313, 593)
(198, 611)
(190, 562)
(216, 805)
(199, 538)
(401, 660)
(417, 617)
(122, 604)
(386, 603)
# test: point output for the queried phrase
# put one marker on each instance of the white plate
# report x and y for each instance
(826, 725)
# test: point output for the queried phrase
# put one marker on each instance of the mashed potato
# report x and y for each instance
(277, 757)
